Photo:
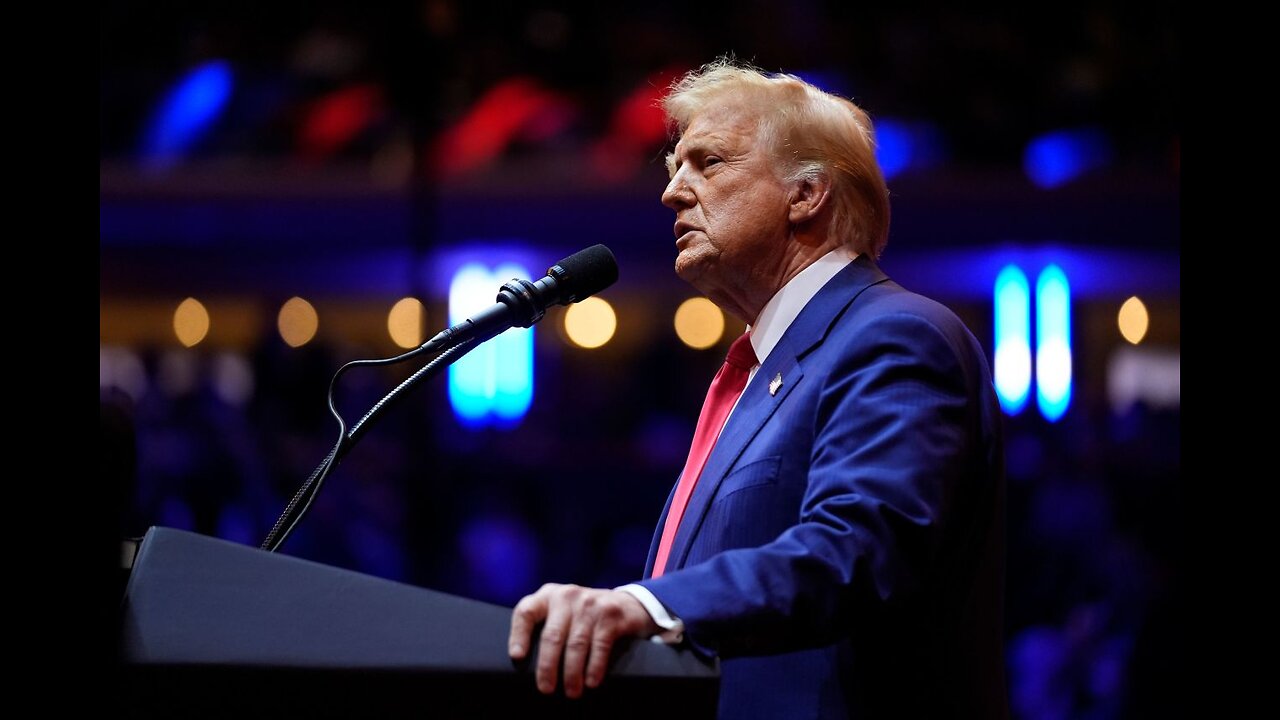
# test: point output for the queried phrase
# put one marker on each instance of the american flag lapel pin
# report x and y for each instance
(775, 383)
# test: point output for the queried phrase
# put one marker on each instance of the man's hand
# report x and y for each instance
(583, 623)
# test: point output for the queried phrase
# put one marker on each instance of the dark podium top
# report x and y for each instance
(212, 628)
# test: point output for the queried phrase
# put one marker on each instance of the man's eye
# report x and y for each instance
(711, 160)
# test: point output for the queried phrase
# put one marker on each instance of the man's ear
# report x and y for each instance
(809, 195)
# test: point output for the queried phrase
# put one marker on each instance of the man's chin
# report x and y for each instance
(688, 271)
(691, 265)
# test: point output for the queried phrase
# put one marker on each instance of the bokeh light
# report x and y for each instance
(699, 323)
(590, 323)
(1133, 320)
(190, 322)
(297, 322)
(405, 322)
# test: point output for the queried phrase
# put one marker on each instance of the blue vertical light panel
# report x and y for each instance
(1053, 343)
(493, 384)
(513, 360)
(1013, 339)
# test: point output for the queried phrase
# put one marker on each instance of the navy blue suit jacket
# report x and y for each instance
(842, 552)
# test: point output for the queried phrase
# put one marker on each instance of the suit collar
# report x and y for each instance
(785, 305)
(815, 320)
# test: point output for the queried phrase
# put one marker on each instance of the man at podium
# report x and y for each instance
(836, 535)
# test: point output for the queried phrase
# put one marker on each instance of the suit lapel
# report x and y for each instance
(657, 532)
(757, 404)
(754, 408)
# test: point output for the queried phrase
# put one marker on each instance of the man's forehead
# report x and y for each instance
(701, 139)
(717, 124)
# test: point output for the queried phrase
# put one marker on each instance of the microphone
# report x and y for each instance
(521, 303)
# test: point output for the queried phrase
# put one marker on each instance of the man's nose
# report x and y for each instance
(677, 195)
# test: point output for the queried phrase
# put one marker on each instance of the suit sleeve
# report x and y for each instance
(893, 434)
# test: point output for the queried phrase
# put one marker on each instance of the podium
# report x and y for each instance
(211, 628)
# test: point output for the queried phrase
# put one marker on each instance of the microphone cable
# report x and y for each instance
(307, 493)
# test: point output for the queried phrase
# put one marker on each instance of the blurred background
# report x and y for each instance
(288, 186)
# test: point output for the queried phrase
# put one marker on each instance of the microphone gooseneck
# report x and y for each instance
(520, 303)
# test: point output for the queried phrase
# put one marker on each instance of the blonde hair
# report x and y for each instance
(811, 133)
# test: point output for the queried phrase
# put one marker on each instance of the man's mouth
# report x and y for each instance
(682, 229)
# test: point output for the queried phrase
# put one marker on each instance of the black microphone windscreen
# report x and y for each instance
(587, 272)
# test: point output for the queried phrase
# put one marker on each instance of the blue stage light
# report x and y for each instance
(187, 112)
(1056, 158)
(1053, 343)
(894, 146)
(1013, 339)
(513, 360)
(493, 384)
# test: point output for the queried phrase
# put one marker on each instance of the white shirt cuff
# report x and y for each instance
(672, 627)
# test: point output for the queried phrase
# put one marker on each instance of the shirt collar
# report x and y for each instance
(786, 304)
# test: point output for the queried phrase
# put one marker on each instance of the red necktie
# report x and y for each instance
(723, 393)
